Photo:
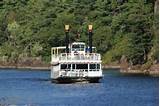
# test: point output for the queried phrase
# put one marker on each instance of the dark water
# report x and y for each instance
(33, 88)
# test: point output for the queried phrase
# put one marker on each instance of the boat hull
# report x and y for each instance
(76, 79)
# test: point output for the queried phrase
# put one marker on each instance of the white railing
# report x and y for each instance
(75, 73)
(79, 72)
(87, 56)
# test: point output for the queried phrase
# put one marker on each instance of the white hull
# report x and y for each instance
(75, 74)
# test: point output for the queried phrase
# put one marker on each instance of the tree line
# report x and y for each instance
(122, 28)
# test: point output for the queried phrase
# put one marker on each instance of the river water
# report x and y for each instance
(33, 88)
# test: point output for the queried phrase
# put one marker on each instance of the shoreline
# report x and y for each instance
(25, 67)
(47, 67)
(125, 72)
(111, 67)
(139, 72)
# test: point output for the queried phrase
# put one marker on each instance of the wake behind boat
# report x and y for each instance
(75, 62)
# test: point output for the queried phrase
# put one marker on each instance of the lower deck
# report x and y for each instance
(76, 70)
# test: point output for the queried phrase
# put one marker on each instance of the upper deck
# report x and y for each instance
(76, 58)
(77, 54)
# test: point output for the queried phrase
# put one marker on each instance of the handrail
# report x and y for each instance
(76, 56)
(77, 73)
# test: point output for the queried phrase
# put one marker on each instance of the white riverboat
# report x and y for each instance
(76, 65)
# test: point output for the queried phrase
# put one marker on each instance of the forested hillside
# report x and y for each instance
(122, 28)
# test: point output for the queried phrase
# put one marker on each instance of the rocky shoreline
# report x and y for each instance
(126, 72)
(25, 67)
(32, 65)
(139, 72)
(152, 71)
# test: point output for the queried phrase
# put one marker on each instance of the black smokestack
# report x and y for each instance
(90, 38)
(67, 38)
(90, 41)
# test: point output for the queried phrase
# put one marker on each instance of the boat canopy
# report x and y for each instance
(75, 47)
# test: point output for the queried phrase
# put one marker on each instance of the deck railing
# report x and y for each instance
(77, 73)
(91, 56)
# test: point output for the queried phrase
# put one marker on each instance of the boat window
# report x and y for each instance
(73, 66)
(98, 66)
(81, 66)
(68, 66)
(92, 66)
(65, 66)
